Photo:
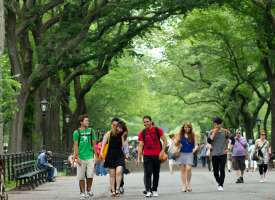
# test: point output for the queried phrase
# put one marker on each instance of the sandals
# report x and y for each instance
(189, 189)
(113, 193)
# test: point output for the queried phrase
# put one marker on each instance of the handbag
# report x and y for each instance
(106, 147)
(258, 153)
(174, 150)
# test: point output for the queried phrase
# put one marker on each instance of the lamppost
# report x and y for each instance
(67, 121)
(44, 108)
(258, 122)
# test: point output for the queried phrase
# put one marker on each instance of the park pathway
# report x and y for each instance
(204, 188)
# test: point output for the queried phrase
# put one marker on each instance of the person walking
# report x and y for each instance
(203, 151)
(253, 163)
(122, 128)
(218, 138)
(171, 160)
(209, 157)
(114, 160)
(188, 146)
(239, 152)
(152, 149)
(85, 155)
(262, 149)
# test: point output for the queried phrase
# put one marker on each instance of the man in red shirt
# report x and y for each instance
(151, 147)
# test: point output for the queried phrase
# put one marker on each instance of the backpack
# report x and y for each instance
(80, 135)
(157, 132)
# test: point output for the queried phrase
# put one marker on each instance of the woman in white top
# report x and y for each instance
(263, 150)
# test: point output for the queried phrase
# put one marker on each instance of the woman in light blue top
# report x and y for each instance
(188, 146)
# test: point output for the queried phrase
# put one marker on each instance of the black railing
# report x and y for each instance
(58, 161)
(9, 160)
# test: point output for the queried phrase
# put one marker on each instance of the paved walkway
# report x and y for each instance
(204, 188)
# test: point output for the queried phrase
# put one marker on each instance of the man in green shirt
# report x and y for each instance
(85, 155)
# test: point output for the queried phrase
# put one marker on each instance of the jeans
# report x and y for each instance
(100, 169)
(151, 167)
(218, 163)
(49, 169)
(203, 161)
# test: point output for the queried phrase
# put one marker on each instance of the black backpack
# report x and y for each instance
(157, 132)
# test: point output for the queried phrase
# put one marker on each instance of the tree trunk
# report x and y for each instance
(18, 122)
(272, 99)
(53, 134)
(2, 45)
(248, 125)
(2, 27)
(268, 110)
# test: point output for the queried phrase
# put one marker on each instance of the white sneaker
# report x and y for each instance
(155, 194)
(261, 180)
(90, 194)
(82, 196)
(148, 194)
(220, 188)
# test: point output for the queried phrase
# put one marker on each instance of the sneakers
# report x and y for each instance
(148, 194)
(121, 190)
(220, 188)
(240, 180)
(155, 194)
(90, 195)
(82, 196)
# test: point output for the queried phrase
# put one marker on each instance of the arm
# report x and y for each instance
(126, 149)
(140, 148)
(164, 143)
(95, 150)
(104, 141)
(75, 158)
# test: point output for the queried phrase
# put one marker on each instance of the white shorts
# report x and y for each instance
(86, 169)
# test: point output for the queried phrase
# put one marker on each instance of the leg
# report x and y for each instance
(215, 162)
(222, 169)
(265, 170)
(118, 176)
(90, 174)
(148, 170)
(189, 175)
(81, 176)
(183, 177)
(208, 163)
(112, 175)
(156, 170)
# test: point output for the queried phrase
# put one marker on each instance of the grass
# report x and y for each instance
(10, 185)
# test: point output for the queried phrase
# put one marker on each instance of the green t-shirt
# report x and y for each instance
(85, 150)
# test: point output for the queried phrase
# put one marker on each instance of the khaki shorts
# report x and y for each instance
(86, 169)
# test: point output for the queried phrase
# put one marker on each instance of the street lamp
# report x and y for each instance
(67, 121)
(258, 122)
(44, 108)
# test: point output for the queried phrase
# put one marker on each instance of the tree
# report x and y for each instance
(45, 37)
(2, 42)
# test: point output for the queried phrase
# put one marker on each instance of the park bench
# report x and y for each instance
(27, 174)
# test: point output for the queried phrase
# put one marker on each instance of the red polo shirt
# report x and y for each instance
(152, 142)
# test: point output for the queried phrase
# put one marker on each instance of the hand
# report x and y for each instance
(101, 156)
(138, 161)
(78, 161)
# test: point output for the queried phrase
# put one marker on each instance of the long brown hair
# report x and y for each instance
(190, 135)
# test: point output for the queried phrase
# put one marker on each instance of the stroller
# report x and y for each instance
(3, 193)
